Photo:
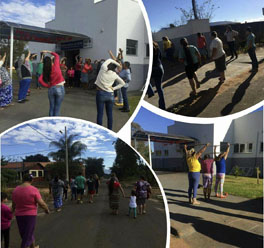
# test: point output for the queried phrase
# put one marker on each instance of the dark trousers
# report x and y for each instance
(125, 99)
(253, 57)
(71, 81)
(104, 98)
(232, 48)
(5, 236)
(65, 194)
(77, 77)
(157, 76)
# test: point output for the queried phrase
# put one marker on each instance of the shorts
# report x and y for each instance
(220, 64)
(80, 191)
(203, 51)
(207, 181)
(190, 70)
(91, 192)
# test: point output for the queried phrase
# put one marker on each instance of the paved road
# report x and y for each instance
(78, 103)
(240, 91)
(220, 223)
(92, 225)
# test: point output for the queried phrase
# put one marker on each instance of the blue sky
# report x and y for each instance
(162, 13)
(150, 121)
(24, 139)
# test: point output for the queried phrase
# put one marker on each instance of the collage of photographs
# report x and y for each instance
(131, 123)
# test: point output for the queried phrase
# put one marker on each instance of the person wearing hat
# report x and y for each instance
(192, 159)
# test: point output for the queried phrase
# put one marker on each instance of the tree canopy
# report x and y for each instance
(94, 166)
(36, 158)
(75, 148)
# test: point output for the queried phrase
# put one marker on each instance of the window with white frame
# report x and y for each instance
(40, 174)
(236, 148)
(242, 148)
(131, 47)
(158, 153)
(249, 147)
(34, 173)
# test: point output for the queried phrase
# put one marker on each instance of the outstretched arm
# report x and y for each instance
(28, 56)
(227, 151)
(121, 189)
(198, 155)
(3, 58)
(112, 56)
(185, 149)
(43, 205)
(214, 152)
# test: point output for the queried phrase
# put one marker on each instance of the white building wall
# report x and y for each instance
(96, 20)
(249, 129)
(191, 28)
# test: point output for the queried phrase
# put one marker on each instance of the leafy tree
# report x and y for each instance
(127, 160)
(75, 148)
(94, 166)
(204, 10)
(7, 176)
(36, 158)
(59, 169)
(18, 49)
(4, 161)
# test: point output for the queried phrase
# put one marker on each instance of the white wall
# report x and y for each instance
(249, 129)
(96, 20)
(37, 47)
(192, 27)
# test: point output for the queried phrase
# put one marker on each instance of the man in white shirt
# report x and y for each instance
(218, 55)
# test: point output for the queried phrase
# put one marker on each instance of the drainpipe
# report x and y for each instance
(149, 145)
(11, 51)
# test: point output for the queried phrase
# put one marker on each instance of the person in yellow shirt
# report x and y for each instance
(168, 48)
(192, 159)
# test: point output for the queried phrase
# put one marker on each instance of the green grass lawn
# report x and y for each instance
(133, 102)
(243, 186)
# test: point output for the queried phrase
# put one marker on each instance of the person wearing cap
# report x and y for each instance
(192, 159)
(25, 201)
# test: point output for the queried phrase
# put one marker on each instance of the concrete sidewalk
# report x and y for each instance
(219, 223)
(240, 91)
(77, 103)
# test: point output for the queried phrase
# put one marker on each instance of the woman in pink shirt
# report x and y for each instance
(86, 70)
(207, 171)
(26, 199)
(6, 217)
(52, 78)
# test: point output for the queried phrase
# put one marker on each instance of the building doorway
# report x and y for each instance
(70, 55)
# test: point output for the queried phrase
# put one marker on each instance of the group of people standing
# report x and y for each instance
(113, 77)
(197, 164)
(26, 199)
(193, 57)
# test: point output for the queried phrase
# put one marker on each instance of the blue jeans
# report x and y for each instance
(157, 76)
(107, 99)
(56, 95)
(23, 89)
(125, 99)
(194, 179)
(38, 85)
(253, 57)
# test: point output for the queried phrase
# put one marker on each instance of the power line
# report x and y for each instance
(40, 132)
(9, 155)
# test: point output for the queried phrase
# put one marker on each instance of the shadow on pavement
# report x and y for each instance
(194, 106)
(175, 190)
(211, 210)
(209, 75)
(219, 232)
(252, 205)
(237, 97)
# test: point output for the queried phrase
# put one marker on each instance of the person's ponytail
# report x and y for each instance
(47, 66)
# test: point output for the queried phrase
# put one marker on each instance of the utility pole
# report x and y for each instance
(66, 156)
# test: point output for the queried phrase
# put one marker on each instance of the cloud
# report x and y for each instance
(27, 12)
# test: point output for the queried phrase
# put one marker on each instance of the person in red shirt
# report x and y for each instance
(86, 70)
(52, 78)
(6, 217)
(70, 73)
(78, 69)
(201, 44)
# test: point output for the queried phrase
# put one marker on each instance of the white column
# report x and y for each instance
(149, 145)
(11, 51)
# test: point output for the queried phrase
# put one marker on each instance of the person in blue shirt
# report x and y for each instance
(220, 162)
(251, 49)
